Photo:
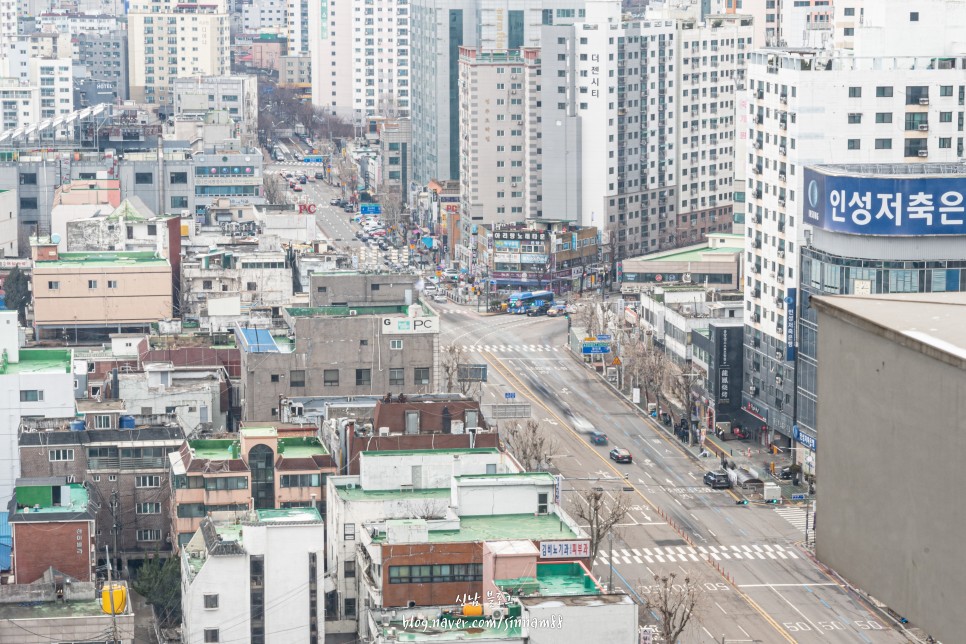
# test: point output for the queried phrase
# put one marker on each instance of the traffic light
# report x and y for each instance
(742, 502)
(773, 501)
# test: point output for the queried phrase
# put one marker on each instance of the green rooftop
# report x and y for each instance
(693, 253)
(301, 447)
(289, 515)
(49, 610)
(101, 258)
(38, 361)
(410, 452)
(214, 449)
(358, 494)
(553, 579)
(336, 311)
(49, 499)
(457, 628)
(501, 527)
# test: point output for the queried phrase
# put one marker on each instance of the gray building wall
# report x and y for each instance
(358, 289)
(345, 344)
(105, 57)
(888, 518)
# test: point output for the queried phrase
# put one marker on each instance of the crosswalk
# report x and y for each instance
(795, 516)
(512, 348)
(683, 554)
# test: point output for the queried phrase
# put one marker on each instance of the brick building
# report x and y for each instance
(52, 524)
(124, 471)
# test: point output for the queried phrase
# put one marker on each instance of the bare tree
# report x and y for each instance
(590, 507)
(391, 201)
(678, 386)
(453, 356)
(531, 445)
(590, 316)
(425, 509)
(673, 603)
(274, 190)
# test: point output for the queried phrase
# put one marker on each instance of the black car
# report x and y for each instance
(717, 480)
(620, 455)
(535, 311)
(320, 175)
(383, 246)
(348, 208)
(786, 473)
(303, 179)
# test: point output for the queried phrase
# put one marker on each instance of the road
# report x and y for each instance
(758, 584)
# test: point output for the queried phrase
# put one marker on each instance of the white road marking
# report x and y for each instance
(720, 608)
(638, 559)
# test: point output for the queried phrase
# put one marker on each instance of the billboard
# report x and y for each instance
(870, 205)
(791, 310)
(409, 326)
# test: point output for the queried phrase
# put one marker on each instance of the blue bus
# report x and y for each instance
(522, 302)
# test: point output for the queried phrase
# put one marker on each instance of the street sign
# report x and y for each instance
(509, 410)
(471, 372)
(370, 209)
(510, 395)
(604, 338)
(616, 362)
(595, 348)
(798, 497)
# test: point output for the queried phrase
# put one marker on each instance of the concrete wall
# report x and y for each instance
(227, 577)
(607, 618)
(70, 628)
(358, 289)
(475, 497)
(892, 422)
(436, 469)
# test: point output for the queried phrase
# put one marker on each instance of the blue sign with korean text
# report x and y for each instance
(370, 209)
(805, 439)
(791, 322)
(868, 205)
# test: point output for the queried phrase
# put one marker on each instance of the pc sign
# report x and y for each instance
(409, 326)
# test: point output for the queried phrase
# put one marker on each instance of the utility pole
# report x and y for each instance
(117, 523)
(110, 592)
(610, 583)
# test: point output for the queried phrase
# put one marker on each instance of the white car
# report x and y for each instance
(439, 297)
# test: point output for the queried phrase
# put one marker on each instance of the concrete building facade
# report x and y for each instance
(104, 57)
(237, 95)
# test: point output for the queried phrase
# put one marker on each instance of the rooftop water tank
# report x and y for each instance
(127, 422)
(77, 425)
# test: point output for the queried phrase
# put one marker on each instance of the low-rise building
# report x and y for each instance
(120, 460)
(52, 525)
(198, 396)
(9, 234)
(263, 467)
(84, 296)
(237, 95)
(81, 200)
(714, 264)
(256, 580)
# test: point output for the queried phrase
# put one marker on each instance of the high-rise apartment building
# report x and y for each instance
(499, 135)
(171, 40)
(297, 27)
(439, 29)
(896, 98)
(360, 58)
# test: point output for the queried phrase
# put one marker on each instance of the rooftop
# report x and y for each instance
(552, 579)
(289, 515)
(301, 447)
(457, 628)
(894, 169)
(546, 476)
(694, 253)
(105, 258)
(258, 432)
(55, 609)
(38, 361)
(410, 452)
(359, 494)
(337, 311)
(213, 449)
(40, 499)
(500, 527)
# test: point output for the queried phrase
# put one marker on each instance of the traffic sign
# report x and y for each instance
(604, 338)
(509, 395)
(370, 209)
(616, 362)
(595, 348)
(798, 497)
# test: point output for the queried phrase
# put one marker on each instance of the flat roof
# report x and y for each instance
(76, 502)
(336, 311)
(568, 578)
(39, 361)
(266, 431)
(931, 323)
(301, 447)
(691, 253)
(53, 610)
(289, 515)
(359, 494)
(501, 527)
(948, 170)
(547, 476)
(106, 258)
(213, 449)
(411, 452)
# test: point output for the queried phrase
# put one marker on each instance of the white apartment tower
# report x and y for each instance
(360, 58)
(898, 97)
(499, 141)
(169, 40)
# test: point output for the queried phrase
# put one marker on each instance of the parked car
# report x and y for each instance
(717, 480)
(348, 208)
(557, 310)
(335, 202)
(383, 246)
(378, 232)
(451, 274)
(320, 175)
(787, 473)
(620, 455)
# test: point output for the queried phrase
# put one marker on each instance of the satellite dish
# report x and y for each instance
(55, 238)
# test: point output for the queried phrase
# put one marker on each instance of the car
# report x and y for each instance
(287, 175)
(335, 202)
(537, 311)
(787, 473)
(620, 455)
(598, 438)
(439, 297)
(348, 208)
(311, 179)
(297, 188)
(377, 233)
(383, 245)
(320, 175)
(451, 274)
(429, 289)
(717, 480)
(360, 234)
(303, 179)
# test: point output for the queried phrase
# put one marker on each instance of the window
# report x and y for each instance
(226, 483)
(363, 343)
(211, 635)
(176, 178)
(56, 455)
(296, 378)
(149, 535)
(143, 178)
(883, 117)
(28, 179)
(849, 31)
(211, 601)
(854, 118)
(350, 607)
(252, 286)
(147, 508)
(276, 377)
(396, 344)
(883, 92)
(913, 16)
(147, 481)
(374, 287)
(300, 480)
(883, 144)
(542, 503)
(854, 144)
(945, 90)
(440, 573)
(350, 569)
(321, 289)
(421, 375)
(917, 94)
(914, 146)
(179, 202)
(330, 378)
(31, 395)
(849, 11)
(91, 283)
(397, 377)
(53, 286)
(28, 203)
(855, 92)
(112, 284)
(945, 142)
(102, 421)
(945, 117)
(349, 532)
(363, 377)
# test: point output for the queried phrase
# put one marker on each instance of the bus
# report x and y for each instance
(521, 302)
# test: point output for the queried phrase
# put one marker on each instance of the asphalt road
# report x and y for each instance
(759, 584)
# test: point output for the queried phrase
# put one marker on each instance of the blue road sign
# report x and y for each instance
(798, 497)
(604, 338)
(370, 209)
(595, 349)
(509, 395)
